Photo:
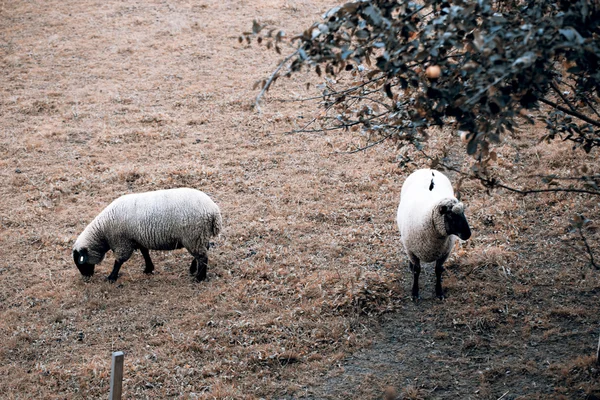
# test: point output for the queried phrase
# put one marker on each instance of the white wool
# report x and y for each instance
(157, 220)
(421, 229)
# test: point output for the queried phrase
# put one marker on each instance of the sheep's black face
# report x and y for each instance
(460, 226)
(86, 269)
(456, 222)
(81, 261)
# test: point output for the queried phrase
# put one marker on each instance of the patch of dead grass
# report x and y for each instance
(309, 263)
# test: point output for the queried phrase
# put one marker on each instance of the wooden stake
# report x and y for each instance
(598, 353)
(116, 376)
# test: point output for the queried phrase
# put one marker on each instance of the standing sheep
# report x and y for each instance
(429, 217)
(159, 220)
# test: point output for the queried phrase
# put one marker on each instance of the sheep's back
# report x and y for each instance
(415, 211)
(418, 185)
(164, 219)
(418, 195)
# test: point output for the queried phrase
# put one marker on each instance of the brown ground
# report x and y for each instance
(308, 293)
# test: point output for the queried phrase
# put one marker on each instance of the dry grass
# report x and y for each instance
(105, 98)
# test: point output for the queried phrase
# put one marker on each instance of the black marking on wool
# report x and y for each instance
(431, 185)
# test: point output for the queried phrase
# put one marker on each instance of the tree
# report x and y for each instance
(480, 67)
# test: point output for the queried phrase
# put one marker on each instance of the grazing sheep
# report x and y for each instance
(428, 218)
(160, 220)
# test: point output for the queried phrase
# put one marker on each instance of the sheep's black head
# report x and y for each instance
(81, 258)
(454, 219)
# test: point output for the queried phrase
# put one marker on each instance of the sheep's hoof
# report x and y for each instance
(416, 299)
(441, 297)
(111, 279)
(149, 272)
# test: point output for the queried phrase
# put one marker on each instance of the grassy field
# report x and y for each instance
(308, 293)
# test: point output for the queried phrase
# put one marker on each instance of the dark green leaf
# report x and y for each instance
(388, 90)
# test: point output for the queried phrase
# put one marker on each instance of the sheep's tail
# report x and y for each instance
(217, 224)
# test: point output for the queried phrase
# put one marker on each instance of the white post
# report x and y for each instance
(116, 376)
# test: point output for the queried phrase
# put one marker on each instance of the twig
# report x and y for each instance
(566, 178)
(272, 78)
(362, 98)
(590, 105)
(344, 125)
(335, 93)
(583, 97)
(327, 108)
(485, 89)
(562, 96)
(455, 55)
(330, 105)
(363, 95)
(493, 183)
(587, 247)
(418, 10)
(570, 112)
(367, 146)
(499, 398)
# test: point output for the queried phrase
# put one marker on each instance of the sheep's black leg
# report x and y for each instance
(439, 268)
(194, 267)
(202, 267)
(149, 265)
(115, 272)
(415, 266)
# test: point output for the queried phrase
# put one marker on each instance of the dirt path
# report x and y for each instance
(417, 354)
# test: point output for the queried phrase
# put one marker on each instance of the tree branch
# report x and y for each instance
(342, 92)
(344, 125)
(272, 78)
(494, 183)
(588, 249)
(570, 112)
(371, 144)
(589, 104)
(478, 95)
(566, 178)
(582, 97)
(354, 88)
(562, 96)
(362, 98)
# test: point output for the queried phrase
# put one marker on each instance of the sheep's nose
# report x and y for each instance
(86, 269)
(465, 235)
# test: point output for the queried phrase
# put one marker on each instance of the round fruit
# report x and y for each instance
(433, 72)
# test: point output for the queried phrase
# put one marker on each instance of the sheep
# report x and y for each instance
(429, 217)
(158, 220)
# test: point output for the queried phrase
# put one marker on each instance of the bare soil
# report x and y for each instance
(308, 293)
